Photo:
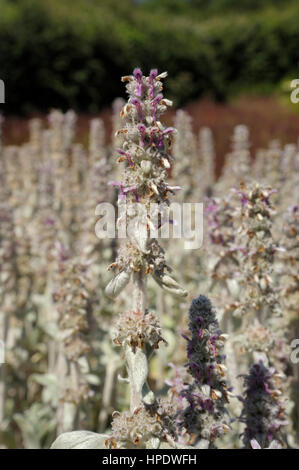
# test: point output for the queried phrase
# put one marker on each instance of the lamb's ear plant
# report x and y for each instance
(260, 299)
(146, 146)
(289, 282)
(8, 281)
(145, 150)
(224, 269)
(8, 275)
(185, 153)
(263, 410)
(71, 298)
(205, 418)
(206, 174)
(237, 166)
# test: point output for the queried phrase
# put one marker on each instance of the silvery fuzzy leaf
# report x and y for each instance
(93, 379)
(50, 328)
(46, 380)
(138, 233)
(233, 287)
(138, 365)
(80, 440)
(36, 424)
(169, 284)
(117, 284)
(64, 334)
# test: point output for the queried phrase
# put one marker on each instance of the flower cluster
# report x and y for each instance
(145, 149)
(205, 417)
(134, 430)
(137, 329)
(256, 212)
(71, 300)
(263, 413)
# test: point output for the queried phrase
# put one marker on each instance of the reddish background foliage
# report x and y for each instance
(266, 118)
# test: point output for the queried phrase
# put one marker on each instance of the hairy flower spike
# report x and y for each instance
(204, 347)
(256, 217)
(71, 299)
(263, 412)
(145, 147)
(207, 396)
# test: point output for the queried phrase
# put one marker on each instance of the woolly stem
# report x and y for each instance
(137, 361)
(139, 291)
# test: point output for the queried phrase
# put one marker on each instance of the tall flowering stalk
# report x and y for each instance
(237, 163)
(145, 149)
(71, 299)
(205, 418)
(207, 155)
(289, 281)
(184, 152)
(263, 412)
(224, 268)
(256, 213)
(263, 324)
(8, 273)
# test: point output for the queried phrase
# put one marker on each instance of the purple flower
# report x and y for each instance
(62, 251)
(142, 131)
(267, 198)
(127, 155)
(155, 103)
(211, 207)
(123, 190)
(49, 221)
(244, 199)
(138, 75)
(152, 77)
(137, 103)
(166, 131)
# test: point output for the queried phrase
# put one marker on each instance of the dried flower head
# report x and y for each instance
(137, 329)
(134, 430)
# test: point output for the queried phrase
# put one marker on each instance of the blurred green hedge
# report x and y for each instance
(73, 53)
